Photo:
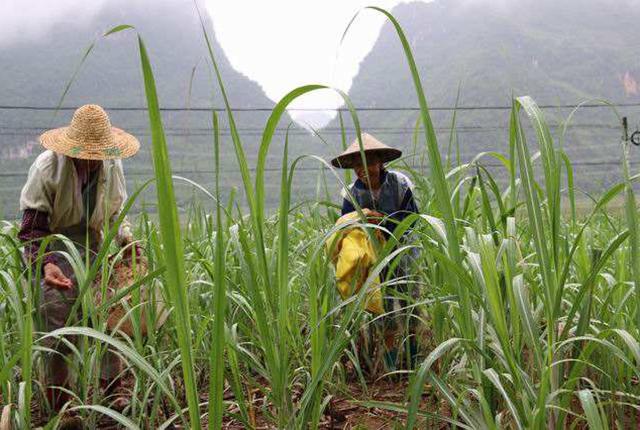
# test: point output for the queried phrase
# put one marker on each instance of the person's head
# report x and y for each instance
(376, 153)
(374, 169)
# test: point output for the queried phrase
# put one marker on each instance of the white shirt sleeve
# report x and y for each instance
(37, 193)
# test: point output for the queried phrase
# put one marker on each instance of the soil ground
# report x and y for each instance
(345, 411)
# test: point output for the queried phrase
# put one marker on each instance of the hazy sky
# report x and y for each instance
(31, 19)
(283, 44)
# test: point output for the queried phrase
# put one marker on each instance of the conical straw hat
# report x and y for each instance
(90, 136)
(351, 157)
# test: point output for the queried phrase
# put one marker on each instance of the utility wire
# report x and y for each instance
(269, 109)
(324, 129)
(180, 172)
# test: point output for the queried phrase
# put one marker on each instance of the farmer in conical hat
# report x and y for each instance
(388, 194)
(74, 187)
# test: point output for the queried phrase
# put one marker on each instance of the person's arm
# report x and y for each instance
(34, 228)
(347, 206)
(124, 238)
(407, 207)
(36, 204)
(124, 235)
(409, 204)
(118, 198)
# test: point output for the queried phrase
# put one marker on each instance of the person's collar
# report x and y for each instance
(80, 170)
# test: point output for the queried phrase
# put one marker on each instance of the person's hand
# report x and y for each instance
(54, 277)
(374, 217)
(130, 250)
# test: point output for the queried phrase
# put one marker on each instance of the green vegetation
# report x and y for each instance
(532, 317)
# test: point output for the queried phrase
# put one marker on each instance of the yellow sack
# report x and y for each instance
(354, 255)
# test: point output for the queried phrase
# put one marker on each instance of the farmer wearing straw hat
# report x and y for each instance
(74, 188)
(388, 195)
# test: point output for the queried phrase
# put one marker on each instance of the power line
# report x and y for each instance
(330, 131)
(280, 133)
(180, 172)
(325, 129)
(342, 109)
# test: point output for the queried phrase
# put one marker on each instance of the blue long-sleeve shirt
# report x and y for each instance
(395, 198)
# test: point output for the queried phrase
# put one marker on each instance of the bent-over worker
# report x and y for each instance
(74, 187)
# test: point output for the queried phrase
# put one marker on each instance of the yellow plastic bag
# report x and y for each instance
(353, 255)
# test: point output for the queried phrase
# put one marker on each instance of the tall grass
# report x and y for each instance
(173, 252)
(532, 318)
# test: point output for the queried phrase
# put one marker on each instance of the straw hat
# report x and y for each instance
(371, 145)
(90, 136)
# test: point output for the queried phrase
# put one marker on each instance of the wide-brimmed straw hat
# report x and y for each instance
(90, 136)
(351, 157)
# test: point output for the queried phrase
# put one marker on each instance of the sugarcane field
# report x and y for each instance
(374, 214)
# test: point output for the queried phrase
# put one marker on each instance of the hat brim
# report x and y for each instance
(123, 145)
(348, 161)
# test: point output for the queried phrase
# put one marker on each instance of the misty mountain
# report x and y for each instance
(35, 72)
(558, 52)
